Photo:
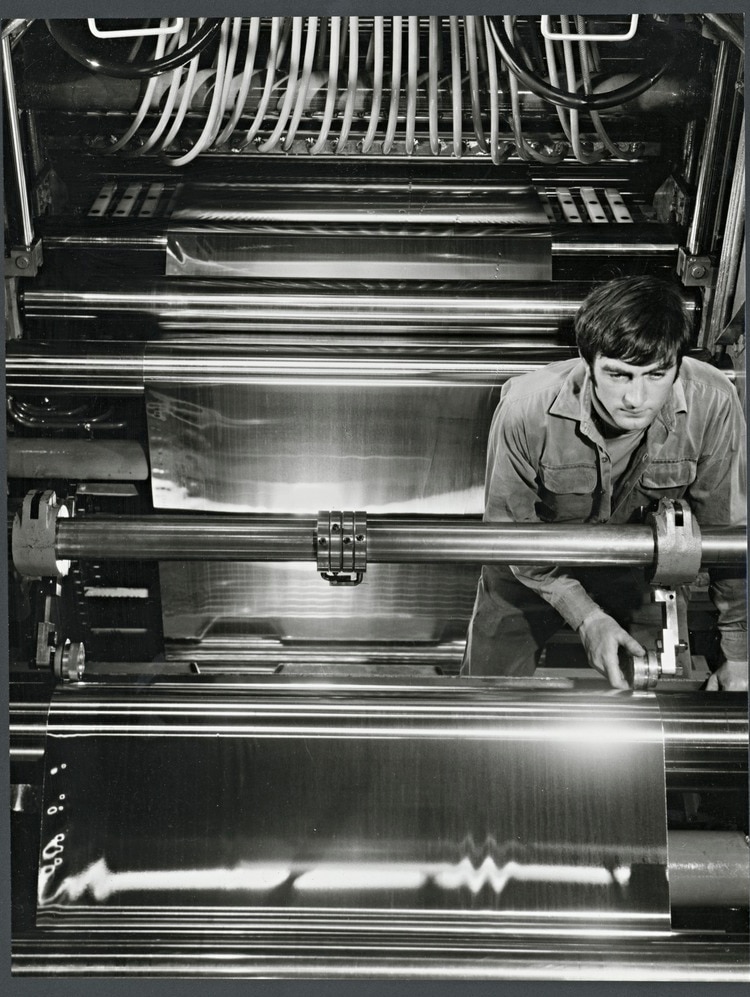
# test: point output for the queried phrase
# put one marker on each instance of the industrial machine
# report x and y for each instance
(265, 278)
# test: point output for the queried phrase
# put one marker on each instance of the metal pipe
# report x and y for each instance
(16, 148)
(731, 247)
(290, 538)
(709, 730)
(567, 240)
(45, 369)
(699, 746)
(709, 152)
(725, 29)
(183, 302)
(708, 869)
(15, 24)
(83, 460)
(421, 952)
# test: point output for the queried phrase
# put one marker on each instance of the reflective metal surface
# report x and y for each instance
(437, 254)
(389, 948)
(182, 305)
(103, 460)
(705, 750)
(213, 601)
(378, 435)
(401, 202)
(431, 539)
(708, 869)
(527, 808)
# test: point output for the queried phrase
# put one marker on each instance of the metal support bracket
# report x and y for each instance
(35, 534)
(644, 671)
(341, 547)
(677, 561)
(24, 261)
(677, 543)
(65, 658)
(694, 270)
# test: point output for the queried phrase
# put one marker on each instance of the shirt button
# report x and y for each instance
(605, 457)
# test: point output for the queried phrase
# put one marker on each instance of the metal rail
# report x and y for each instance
(19, 169)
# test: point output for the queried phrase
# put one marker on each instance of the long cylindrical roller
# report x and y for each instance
(238, 538)
(123, 371)
(181, 302)
(705, 736)
(570, 240)
(708, 868)
(419, 952)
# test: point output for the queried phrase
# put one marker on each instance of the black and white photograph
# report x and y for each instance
(376, 497)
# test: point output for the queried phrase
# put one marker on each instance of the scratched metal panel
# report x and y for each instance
(520, 805)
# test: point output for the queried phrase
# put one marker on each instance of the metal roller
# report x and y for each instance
(413, 540)
(705, 737)
(434, 953)
(472, 889)
(184, 304)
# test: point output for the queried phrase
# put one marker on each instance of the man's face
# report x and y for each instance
(631, 396)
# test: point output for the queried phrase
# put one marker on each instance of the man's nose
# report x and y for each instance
(635, 395)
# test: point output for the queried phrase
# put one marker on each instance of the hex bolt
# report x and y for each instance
(322, 542)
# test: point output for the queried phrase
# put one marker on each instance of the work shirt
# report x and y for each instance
(548, 462)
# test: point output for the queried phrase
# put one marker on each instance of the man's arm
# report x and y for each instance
(511, 495)
(718, 497)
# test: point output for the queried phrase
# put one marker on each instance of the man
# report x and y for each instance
(600, 439)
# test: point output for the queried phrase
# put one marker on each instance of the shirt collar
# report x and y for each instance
(574, 400)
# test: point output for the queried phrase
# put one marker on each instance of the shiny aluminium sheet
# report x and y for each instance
(349, 437)
(362, 230)
(517, 807)
(217, 250)
(205, 601)
(355, 199)
(285, 445)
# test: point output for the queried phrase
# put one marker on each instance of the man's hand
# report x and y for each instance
(602, 639)
(729, 677)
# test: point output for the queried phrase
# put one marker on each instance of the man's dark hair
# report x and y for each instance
(638, 320)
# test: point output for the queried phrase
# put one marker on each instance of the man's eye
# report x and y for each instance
(657, 374)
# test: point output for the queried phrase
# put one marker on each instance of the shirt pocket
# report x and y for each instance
(567, 492)
(669, 478)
